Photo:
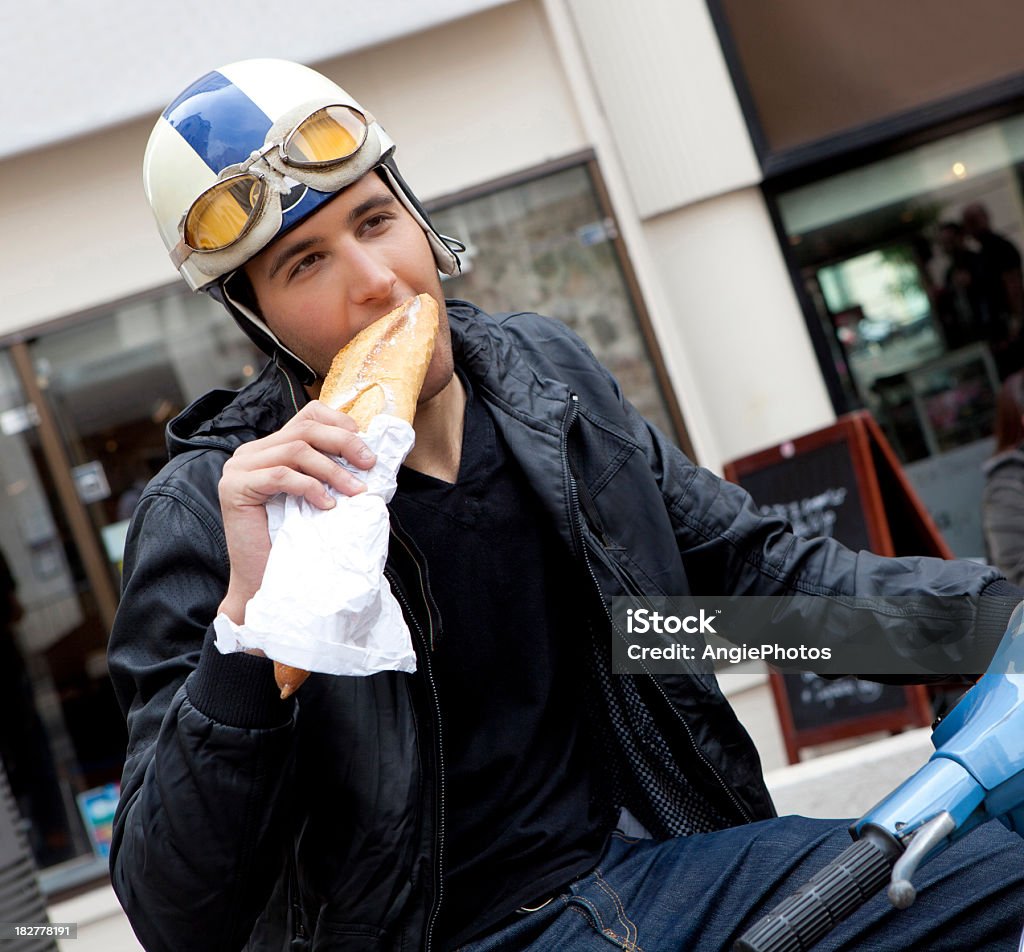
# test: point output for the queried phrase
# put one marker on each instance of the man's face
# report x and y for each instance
(349, 263)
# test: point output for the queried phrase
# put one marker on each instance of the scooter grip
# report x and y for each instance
(843, 886)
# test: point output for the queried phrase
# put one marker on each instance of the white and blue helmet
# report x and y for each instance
(233, 132)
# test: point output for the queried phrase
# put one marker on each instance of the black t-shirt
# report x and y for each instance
(520, 817)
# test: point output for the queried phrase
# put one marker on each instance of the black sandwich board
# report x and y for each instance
(842, 481)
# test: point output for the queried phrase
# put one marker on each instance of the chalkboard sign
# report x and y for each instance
(809, 695)
(845, 482)
(819, 497)
(815, 710)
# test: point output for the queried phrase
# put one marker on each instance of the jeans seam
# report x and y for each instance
(594, 911)
(632, 933)
(590, 920)
(598, 923)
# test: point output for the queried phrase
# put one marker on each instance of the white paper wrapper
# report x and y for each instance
(324, 604)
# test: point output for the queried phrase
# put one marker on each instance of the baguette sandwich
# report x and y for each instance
(381, 370)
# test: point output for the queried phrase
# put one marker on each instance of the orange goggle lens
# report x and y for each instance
(224, 212)
(329, 136)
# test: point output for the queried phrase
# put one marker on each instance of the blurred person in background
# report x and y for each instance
(960, 301)
(24, 744)
(1002, 285)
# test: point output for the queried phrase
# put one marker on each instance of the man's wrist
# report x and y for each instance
(233, 606)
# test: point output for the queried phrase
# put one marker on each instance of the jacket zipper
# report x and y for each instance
(576, 522)
(288, 380)
(427, 643)
(295, 900)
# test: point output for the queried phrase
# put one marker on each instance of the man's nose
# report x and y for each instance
(371, 278)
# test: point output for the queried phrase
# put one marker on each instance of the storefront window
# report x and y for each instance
(913, 267)
(114, 382)
(546, 245)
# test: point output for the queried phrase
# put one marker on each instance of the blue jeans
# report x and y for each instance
(699, 893)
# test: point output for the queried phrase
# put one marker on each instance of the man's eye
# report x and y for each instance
(376, 221)
(305, 263)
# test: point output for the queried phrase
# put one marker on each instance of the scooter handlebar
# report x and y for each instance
(843, 886)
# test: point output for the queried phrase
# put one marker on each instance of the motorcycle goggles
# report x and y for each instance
(326, 149)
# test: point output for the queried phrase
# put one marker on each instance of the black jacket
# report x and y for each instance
(323, 820)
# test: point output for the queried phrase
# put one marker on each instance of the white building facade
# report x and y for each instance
(472, 91)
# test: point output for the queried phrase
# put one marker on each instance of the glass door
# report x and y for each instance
(60, 734)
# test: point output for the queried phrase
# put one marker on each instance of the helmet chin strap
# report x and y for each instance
(443, 248)
(259, 333)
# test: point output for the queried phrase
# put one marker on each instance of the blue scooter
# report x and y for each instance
(975, 775)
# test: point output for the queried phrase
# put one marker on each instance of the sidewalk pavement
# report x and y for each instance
(102, 926)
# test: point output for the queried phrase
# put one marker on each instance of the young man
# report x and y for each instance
(473, 804)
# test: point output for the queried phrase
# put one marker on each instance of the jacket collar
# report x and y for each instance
(226, 418)
(533, 411)
(494, 359)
